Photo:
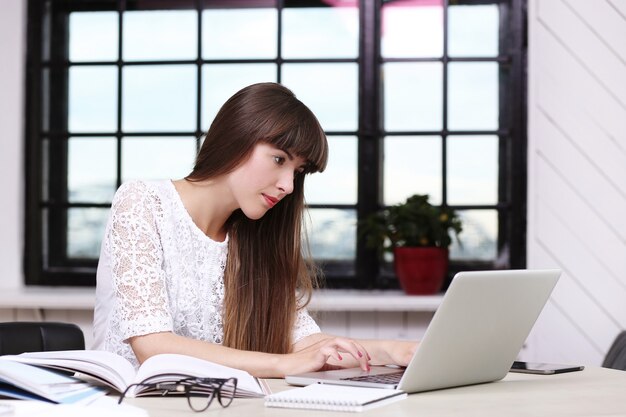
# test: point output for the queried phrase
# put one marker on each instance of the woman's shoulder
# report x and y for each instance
(146, 193)
(142, 186)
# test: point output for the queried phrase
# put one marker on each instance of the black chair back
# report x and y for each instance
(20, 337)
(616, 357)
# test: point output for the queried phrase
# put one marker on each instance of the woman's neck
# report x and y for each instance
(209, 204)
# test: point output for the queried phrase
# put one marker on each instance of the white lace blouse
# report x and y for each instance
(158, 272)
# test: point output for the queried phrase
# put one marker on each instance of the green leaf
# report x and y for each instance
(415, 222)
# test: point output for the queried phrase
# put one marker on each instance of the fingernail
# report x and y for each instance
(360, 354)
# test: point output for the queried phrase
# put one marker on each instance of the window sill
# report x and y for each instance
(372, 300)
(49, 298)
(64, 298)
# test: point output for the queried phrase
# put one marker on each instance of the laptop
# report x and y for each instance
(474, 336)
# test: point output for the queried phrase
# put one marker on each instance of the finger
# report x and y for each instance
(361, 350)
(331, 352)
(364, 354)
(353, 349)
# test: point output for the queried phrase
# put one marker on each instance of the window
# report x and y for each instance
(416, 96)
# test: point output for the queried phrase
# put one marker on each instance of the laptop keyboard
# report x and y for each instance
(393, 378)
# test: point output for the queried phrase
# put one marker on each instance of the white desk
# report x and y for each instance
(592, 392)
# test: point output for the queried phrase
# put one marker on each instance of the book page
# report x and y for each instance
(159, 366)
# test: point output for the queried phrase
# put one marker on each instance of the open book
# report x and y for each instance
(118, 373)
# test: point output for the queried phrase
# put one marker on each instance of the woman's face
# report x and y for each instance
(264, 179)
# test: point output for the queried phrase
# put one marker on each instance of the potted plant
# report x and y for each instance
(418, 235)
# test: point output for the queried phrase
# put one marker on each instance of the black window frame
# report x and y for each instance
(45, 261)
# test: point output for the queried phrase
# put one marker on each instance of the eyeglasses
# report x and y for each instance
(199, 391)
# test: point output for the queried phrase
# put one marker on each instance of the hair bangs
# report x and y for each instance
(306, 140)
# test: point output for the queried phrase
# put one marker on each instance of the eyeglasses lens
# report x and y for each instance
(227, 392)
(200, 396)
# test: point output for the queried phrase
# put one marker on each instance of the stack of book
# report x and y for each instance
(26, 382)
(25, 376)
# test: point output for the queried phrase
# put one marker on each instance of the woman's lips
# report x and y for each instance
(271, 201)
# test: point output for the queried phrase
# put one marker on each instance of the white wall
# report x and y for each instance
(12, 53)
(577, 173)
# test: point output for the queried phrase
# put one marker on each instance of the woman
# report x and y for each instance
(211, 265)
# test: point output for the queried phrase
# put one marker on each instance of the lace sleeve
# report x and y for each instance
(303, 326)
(136, 262)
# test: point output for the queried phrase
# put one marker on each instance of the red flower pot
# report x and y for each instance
(421, 270)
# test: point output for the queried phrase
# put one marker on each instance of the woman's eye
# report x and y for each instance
(279, 160)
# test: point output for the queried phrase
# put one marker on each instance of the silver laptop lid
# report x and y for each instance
(479, 328)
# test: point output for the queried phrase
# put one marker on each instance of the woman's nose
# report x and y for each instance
(285, 182)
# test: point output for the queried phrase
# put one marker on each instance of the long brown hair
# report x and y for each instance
(266, 266)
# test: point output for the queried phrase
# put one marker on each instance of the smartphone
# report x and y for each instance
(543, 368)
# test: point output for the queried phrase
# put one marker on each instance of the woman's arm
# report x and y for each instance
(390, 352)
(259, 364)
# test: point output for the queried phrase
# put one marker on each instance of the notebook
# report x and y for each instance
(333, 398)
(474, 336)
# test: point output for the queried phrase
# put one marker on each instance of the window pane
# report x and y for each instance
(332, 234)
(91, 171)
(160, 35)
(157, 158)
(473, 30)
(221, 81)
(85, 229)
(338, 183)
(239, 33)
(413, 94)
(329, 90)
(411, 29)
(92, 99)
(45, 235)
(473, 96)
(412, 166)
(472, 170)
(479, 236)
(45, 170)
(159, 98)
(45, 99)
(320, 32)
(93, 36)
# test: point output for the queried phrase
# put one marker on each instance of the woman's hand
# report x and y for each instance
(399, 352)
(326, 353)
(389, 352)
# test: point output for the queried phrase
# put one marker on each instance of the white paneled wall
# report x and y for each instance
(577, 174)
(12, 75)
